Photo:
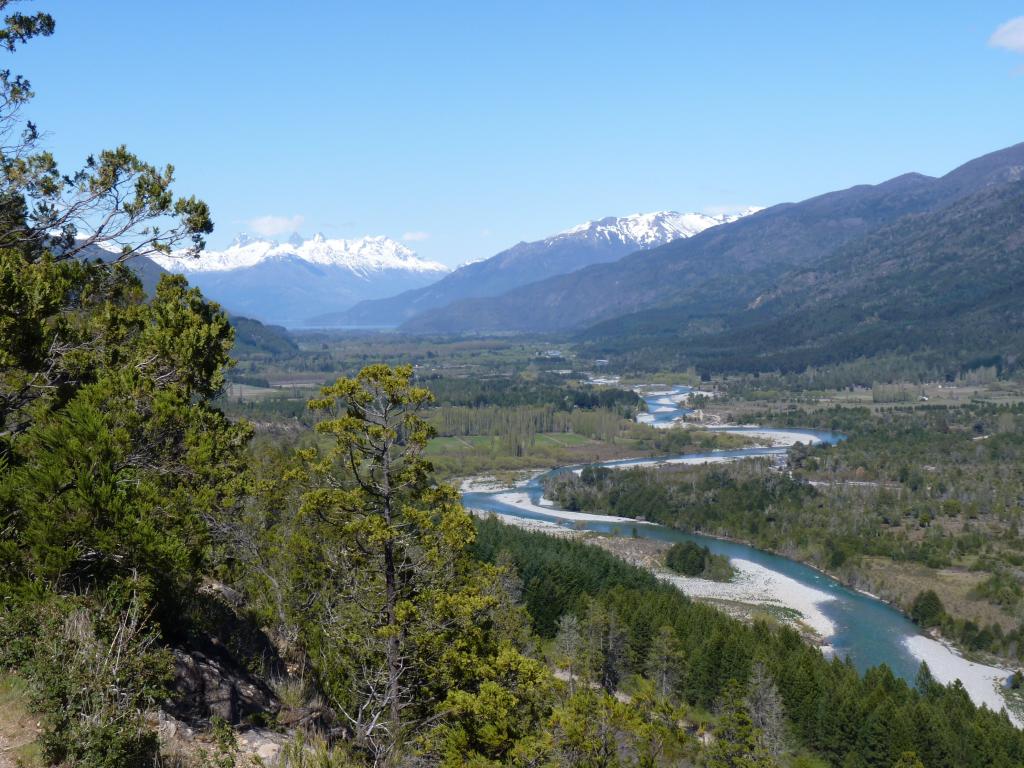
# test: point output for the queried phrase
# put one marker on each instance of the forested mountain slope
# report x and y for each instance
(723, 268)
(949, 282)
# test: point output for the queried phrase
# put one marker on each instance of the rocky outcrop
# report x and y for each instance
(207, 687)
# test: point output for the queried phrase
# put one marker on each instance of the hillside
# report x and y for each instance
(594, 242)
(948, 282)
(724, 268)
(144, 268)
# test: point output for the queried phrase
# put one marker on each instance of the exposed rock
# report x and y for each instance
(209, 687)
(262, 744)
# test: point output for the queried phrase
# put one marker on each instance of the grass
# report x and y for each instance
(18, 728)
(900, 582)
(445, 445)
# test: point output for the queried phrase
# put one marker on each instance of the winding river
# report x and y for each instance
(865, 629)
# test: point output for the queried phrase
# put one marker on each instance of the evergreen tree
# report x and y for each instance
(569, 648)
(665, 662)
(908, 760)
(400, 603)
(737, 741)
(605, 646)
(927, 609)
(766, 709)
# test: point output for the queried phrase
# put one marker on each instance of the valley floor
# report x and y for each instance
(756, 591)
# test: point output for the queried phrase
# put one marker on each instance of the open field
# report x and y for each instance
(901, 582)
(447, 445)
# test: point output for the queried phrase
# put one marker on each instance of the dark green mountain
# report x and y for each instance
(703, 279)
(595, 242)
(948, 282)
(253, 337)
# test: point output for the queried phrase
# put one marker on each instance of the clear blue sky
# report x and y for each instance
(471, 126)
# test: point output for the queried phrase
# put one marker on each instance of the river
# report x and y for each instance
(865, 629)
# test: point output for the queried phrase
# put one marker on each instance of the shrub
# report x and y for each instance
(927, 609)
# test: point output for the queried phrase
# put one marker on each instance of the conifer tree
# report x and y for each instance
(737, 741)
(766, 710)
(398, 599)
(665, 661)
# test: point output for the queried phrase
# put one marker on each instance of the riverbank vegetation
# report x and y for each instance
(915, 499)
(691, 559)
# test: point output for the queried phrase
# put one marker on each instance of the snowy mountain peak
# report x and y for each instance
(242, 238)
(361, 257)
(646, 230)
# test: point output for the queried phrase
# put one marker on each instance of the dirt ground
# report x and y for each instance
(18, 729)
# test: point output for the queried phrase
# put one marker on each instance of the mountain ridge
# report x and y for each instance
(595, 241)
(283, 283)
(361, 256)
(946, 281)
(723, 268)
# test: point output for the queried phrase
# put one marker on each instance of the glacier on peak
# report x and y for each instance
(361, 256)
(650, 229)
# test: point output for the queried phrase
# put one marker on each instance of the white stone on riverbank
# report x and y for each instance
(779, 438)
(529, 524)
(521, 500)
(982, 683)
(753, 584)
(756, 585)
(693, 459)
(481, 484)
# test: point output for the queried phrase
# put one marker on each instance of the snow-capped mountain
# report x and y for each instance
(289, 282)
(363, 256)
(593, 242)
(647, 230)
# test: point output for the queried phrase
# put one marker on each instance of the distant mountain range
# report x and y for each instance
(594, 242)
(691, 289)
(288, 283)
(916, 265)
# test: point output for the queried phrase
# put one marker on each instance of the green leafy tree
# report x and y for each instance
(118, 484)
(400, 601)
(500, 717)
(593, 729)
(53, 331)
(908, 760)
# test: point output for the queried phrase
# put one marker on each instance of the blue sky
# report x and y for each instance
(466, 127)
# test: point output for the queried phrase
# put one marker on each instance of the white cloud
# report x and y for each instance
(268, 226)
(415, 237)
(1009, 36)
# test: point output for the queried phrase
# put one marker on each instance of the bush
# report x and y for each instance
(687, 558)
(93, 673)
(927, 609)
